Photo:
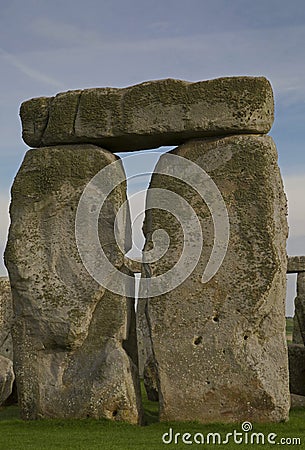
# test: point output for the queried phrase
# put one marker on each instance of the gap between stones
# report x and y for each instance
(138, 238)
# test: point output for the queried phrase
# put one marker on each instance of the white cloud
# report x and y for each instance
(95, 60)
(34, 74)
(137, 209)
(4, 213)
(291, 294)
(63, 33)
(295, 190)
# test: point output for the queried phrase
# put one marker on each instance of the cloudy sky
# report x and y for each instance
(52, 46)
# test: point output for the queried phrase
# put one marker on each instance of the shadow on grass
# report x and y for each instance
(151, 409)
(9, 413)
(107, 435)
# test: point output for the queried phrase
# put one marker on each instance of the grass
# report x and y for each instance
(89, 434)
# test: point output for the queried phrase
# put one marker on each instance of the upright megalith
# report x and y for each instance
(71, 335)
(7, 378)
(296, 350)
(6, 318)
(144, 344)
(147, 366)
(7, 375)
(298, 335)
(219, 345)
(296, 353)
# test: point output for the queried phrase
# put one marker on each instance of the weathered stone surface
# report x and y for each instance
(34, 115)
(296, 354)
(73, 354)
(151, 114)
(6, 378)
(298, 335)
(151, 379)
(296, 264)
(220, 347)
(6, 317)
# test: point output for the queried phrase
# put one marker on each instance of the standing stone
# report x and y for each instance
(147, 365)
(220, 347)
(296, 354)
(72, 337)
(6, 317)
(297, 401)
(7, 378)
(150, 376)
(298, 336)
(296, 332)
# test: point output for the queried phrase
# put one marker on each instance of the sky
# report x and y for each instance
(48, 47)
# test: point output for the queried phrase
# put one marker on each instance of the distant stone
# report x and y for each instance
(220, 346)
(75, 352)
(296, 264)
(6, 317)
(151, 114)
(143, 337)
(298, 335)
(296, 354)
(151, 379)
(297, 401)
(7, 378)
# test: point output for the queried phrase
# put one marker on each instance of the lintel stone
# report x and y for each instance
(296, 264)
(150, 114)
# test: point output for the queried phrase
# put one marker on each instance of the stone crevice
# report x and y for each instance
(42, 131)
(76, 113)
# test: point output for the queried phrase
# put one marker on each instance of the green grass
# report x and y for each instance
(289, 325)
(289, 329)
(89, 434)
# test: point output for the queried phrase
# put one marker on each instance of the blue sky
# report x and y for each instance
(52, 46)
